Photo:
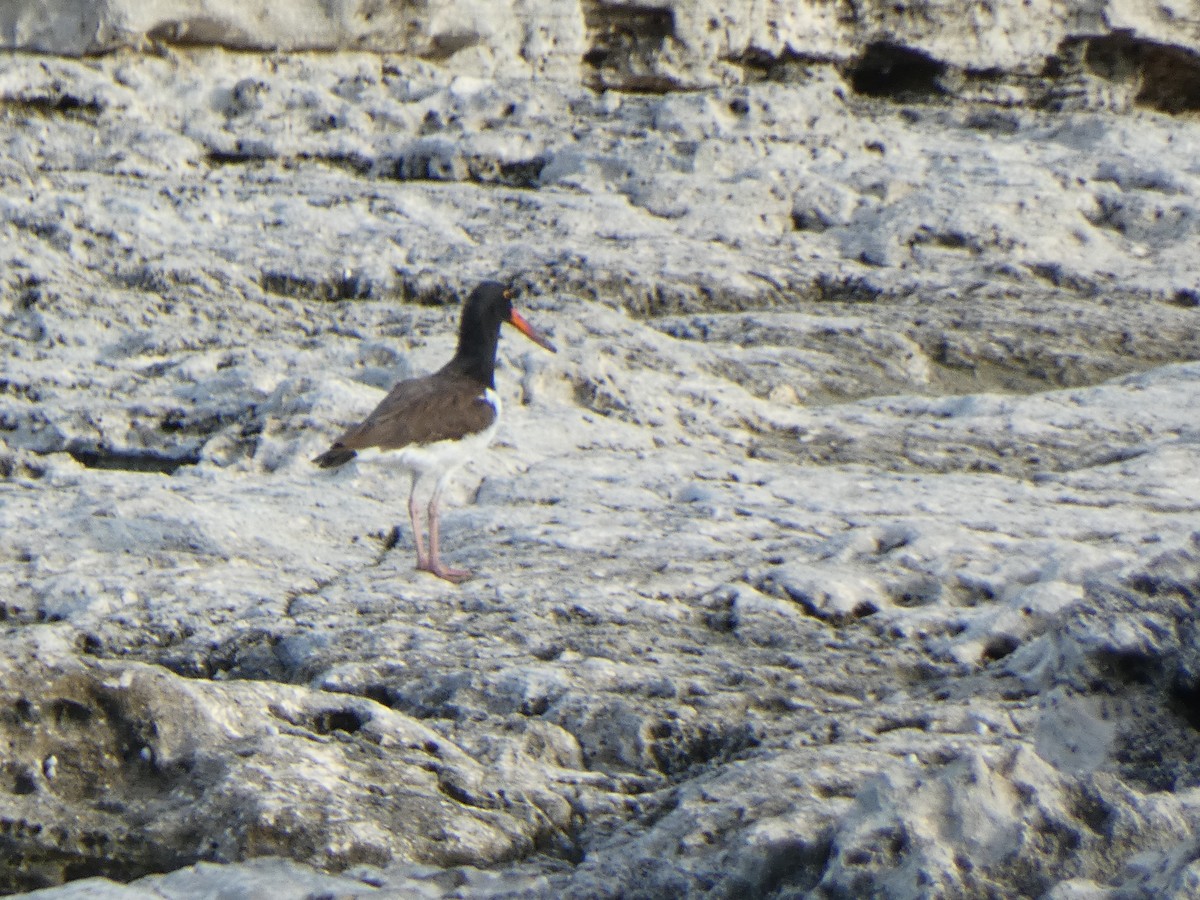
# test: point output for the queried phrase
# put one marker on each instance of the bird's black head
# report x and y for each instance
(487, 308)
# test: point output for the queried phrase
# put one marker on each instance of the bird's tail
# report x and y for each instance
(335, 456)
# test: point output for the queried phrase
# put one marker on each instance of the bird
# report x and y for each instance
(430, 426)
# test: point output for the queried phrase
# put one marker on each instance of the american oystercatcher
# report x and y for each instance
(430, 426)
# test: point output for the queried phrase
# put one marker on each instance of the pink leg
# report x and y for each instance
(435, 563)
(414, 515)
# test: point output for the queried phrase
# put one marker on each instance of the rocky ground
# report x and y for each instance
(849, 546)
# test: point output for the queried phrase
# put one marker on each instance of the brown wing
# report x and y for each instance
(439, 407)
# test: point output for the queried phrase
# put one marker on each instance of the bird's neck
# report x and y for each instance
(476, 354)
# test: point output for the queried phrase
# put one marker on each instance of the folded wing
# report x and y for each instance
(417, 411)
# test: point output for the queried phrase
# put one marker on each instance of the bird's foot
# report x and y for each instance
(455, 576)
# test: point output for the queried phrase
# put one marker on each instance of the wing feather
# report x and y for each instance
(422, 411)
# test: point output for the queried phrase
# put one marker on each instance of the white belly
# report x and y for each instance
(440, 459)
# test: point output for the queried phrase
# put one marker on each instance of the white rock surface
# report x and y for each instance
(850, 546)
(1139, 48)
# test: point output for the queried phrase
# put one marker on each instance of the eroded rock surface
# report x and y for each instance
(850, 546)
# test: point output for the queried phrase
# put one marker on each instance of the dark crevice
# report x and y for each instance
(236, 157)
(1137, 72)
(848, 289)
(522, 173)
(1184, 700)
(56, 103)
(763, 65)
(425, 162)
(133, 461)
(898, 73)
(445, 46)
(256, 156)
(1170, 80)
(676, 749)
(916, 722)
(792, 867)
(650, 84)
(341, 286)
(624, 46)
(1185, 297)
(349, 162)
(653, 22)
(1129, 667)
(1167, 77)
(14, 467)
(999, 646)
(460, 794)
(346, 720)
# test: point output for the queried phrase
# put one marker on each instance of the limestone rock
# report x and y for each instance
(849, 546)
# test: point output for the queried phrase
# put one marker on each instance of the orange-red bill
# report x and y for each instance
(518, 322)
